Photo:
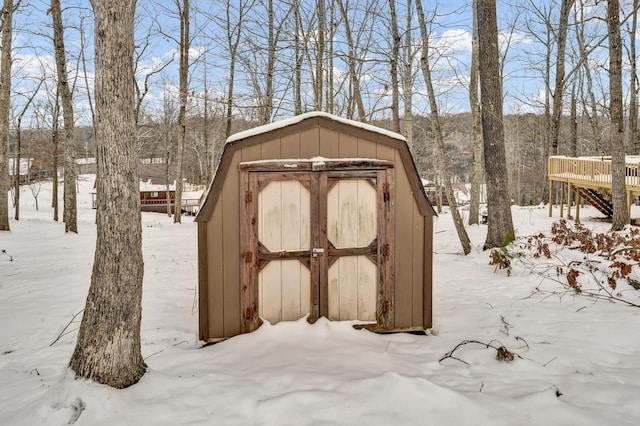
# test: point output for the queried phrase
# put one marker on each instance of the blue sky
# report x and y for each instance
(450, 37)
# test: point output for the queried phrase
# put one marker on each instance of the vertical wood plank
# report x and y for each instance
(348, 287)
(367, 149)
(322, 262)
(329, 143)
(418, 267)
(215, 242)
(204, 303)
(427, 275)
(315, 227)
(310, 143)
(270, 150)
(270, 279)
(348, 146)
(291, 289)
(290, 146)
(231, 219)
(403, 200)
(367, 289)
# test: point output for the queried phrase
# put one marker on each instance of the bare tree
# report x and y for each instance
(408, 78)
(476, 129)
(395, 58)
(500, 225)
(16, 164)
(437, 133)
(185, 45)
(560, 72)
(70, 209)
(5, 106)
(633, 145)
(108, 346)
(618, 179)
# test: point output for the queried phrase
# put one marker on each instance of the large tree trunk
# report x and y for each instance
(500, 225)
(185, 44)
(437, 134)
(70, 209)
(618, 179)
(476, 129)
(5, 106)
(108, 346)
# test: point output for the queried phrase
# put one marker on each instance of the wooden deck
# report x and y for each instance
(588, 173)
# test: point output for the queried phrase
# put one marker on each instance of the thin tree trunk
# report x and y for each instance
(574, 123)
(108, 346)
(560, 77)
(500, 224)
(407, 81)
(55, 136)
(437, 134)
(633, 146)
(70, 209)
(5, 106)
(356, 99)
(618, 179)
(16, 170)
(318, 86)
(185, 44)
(298, 65)
(395, 56)
(476, 129)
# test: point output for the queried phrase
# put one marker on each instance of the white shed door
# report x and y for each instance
(318, 243)
(284, 226)
(352, 223)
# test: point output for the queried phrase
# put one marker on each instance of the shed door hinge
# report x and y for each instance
(385, 192)
(385, 307)
(385, 250)
(248, 196)
(248, 257)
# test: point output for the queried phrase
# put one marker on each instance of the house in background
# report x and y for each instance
(86, 165)
(315, 216)
(26, 164)
(155, 193)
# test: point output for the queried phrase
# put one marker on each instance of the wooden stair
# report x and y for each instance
(598, 201)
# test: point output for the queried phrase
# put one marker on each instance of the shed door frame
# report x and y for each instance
(317, 176)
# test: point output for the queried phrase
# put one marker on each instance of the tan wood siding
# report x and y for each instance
(220, 263)
(404, 257)
(418, 266)
(329, 142)
(348, 146)
(428, 272)
(203, 283)
(271, 150)
(215, 240)
(231, 251)
(367, 149)
(290, 146)
(310, 143)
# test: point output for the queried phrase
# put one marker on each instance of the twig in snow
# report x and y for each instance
(63, 332)
(502, 353)
(8, 255)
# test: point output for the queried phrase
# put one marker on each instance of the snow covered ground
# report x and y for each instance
(577, 360)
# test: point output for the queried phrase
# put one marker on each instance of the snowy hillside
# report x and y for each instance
(577, 359)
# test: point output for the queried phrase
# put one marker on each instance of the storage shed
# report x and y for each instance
(314, 216)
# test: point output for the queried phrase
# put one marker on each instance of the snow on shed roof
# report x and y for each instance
(298, 118)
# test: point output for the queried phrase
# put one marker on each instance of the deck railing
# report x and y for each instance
(591, 171)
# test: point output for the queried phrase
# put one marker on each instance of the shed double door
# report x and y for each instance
(317, 244)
